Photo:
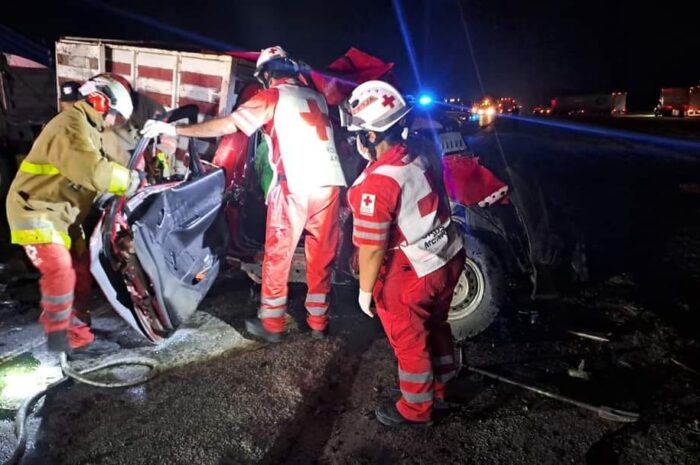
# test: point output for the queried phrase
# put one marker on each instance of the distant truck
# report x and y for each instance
(508, 105)
(595, 104)
(679, 101)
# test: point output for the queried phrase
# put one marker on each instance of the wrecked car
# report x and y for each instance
(156, 254)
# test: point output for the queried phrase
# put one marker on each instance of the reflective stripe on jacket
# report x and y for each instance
(57, 182)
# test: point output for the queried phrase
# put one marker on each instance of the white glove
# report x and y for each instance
(134, 183)
(154, 128)
(365, 300)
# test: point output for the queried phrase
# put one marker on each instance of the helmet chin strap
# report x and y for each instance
(370, 146)
(264, 82)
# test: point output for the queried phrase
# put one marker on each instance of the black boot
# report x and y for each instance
(96, 348)
(255, 327)
(57, 341)
(390, 416)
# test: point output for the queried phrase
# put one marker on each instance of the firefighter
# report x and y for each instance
(410, 255)
(304, 194)
(50, 196)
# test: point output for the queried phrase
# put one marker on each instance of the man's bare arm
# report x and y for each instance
(212, 128)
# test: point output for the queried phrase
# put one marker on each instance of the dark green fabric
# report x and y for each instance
(262, 166)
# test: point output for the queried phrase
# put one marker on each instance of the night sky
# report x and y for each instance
(529, 50)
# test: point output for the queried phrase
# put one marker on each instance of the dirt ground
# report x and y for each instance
(306, 401)
(496, 423)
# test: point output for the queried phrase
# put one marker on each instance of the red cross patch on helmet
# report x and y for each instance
(373, 106)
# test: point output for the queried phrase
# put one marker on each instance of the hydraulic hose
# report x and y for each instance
(69, 373)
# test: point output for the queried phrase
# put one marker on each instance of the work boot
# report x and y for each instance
(255, 327)
(390, 416)
(96, 348)
(57, 341)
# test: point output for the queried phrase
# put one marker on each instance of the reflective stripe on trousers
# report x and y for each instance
(57, 284)
(317, 304)
(59, 292)
(444, 368)
(413, 312)
(288, 216)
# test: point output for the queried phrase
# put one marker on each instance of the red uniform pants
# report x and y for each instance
(414, 312)
(66, 288)
(288, 216)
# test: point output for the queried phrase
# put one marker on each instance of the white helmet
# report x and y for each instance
(107, 93)
(373, 106)
(268, 54)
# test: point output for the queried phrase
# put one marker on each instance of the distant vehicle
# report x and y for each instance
(486, 107)
(508, 105)
(592, 104)
(542, 110)
(679, 101)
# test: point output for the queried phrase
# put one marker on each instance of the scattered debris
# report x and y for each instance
(622, 279)
(8, 303)
(532, 314)
(630, 309)
(694, 428)
(619, 361)
(605, 412)
(686, 367)
(589, 335)
(580, 372)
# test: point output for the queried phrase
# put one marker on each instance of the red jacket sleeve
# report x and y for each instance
(374, 205)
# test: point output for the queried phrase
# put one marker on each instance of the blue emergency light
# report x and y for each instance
(425, 100)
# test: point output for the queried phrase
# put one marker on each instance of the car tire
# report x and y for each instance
(480, 293)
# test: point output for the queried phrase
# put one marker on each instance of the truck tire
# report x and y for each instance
(480, 293)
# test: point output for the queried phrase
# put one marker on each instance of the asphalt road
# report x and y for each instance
(222, 399)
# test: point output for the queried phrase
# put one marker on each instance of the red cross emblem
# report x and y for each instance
(388, 101)
(315, 117)
(367, 205)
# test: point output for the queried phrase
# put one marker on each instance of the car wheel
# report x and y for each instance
(480, 293)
